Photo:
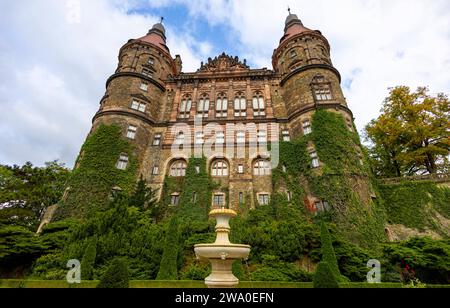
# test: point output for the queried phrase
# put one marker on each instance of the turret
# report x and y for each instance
(308, 78)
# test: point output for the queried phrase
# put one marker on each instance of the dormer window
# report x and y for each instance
(151, 61)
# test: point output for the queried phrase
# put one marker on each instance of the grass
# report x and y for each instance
(55, 284)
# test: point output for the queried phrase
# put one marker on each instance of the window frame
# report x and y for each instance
(262, 168)
(178, 169)
(131, 132)
(157, 139)
(220, 169)
(259, 105)
(122, 162)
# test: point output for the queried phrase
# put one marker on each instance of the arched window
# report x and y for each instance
(185, 107)
(240, 105)
(321, 89)
(259, 106)
(221, 106)
(178, 168)
(219, 169)
(203, 106)
(262, 167)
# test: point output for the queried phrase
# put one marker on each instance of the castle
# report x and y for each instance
(224, 107)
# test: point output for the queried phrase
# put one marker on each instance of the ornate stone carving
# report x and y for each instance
(224, 62)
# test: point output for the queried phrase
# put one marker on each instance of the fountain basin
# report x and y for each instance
(217, 251)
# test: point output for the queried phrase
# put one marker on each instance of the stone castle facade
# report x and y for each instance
(169, 115)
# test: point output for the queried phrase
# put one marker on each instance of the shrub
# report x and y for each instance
(168, 269)
(328, 254)
(324, 277)
(88, 261)
(116, 276)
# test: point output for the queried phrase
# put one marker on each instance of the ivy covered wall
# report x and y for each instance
(343, 180)
(96, 174)
(418, 205)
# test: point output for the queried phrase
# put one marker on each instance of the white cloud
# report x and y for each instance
(54, 64)
(375, 44)
(53, 69)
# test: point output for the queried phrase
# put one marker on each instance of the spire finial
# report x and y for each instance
(289, 10)
(162, 19)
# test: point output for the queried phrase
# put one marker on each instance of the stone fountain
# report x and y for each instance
(222, 253)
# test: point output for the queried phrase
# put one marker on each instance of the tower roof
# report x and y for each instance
(293, 26)
(156, 36)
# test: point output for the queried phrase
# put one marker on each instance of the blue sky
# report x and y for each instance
(55, 55)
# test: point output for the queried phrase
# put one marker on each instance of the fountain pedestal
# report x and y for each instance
(222, 253)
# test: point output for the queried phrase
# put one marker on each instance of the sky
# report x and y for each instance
(56, 55)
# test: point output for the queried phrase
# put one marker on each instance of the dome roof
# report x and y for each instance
(293, 26)
(156, 36)
(159, 27)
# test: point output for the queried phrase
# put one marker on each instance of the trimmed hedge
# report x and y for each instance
(116, 276)
(325, 278)
(196, 284)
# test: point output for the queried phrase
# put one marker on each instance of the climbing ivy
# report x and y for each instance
(341, 181)
(96, 173)
(415, 204)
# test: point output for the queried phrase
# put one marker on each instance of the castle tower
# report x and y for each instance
(308, 78)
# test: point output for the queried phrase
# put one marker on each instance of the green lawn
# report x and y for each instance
(182, 284)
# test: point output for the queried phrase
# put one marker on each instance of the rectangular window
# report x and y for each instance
(197, 169)
(151, 61)
(240, 107)
(241, 198)
(307, 129)
(289, 196)
(144, 86)
(263, 199)
(157, 140)
(219, 200)
(314, 160)
(259, 107)
(286, 135)
(323, 93)
(136, 105)
(147, 73)
(194, 198)
(185, 109)
(131, 132)
(123, 162)
(222, 108)
(240, 137)
(203, 108)
(155, 170)
(180, 138)
(241, 169)
(220, 138)
(175, 199)
(262, 136)
(199, 138)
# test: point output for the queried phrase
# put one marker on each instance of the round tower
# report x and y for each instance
(136, 95)
(307, 77)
